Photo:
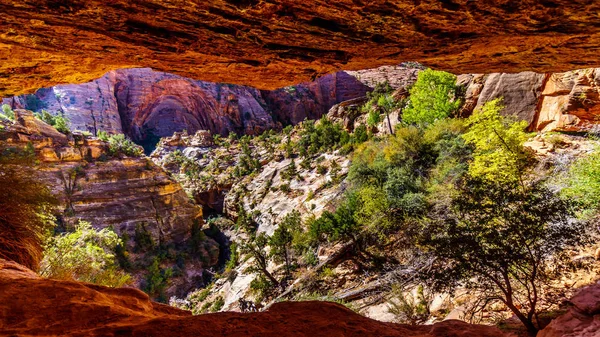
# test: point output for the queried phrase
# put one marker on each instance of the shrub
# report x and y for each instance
(7, 112)
(217, 304)
(432, 97)
(121, 145)
(583, 181)
(373, 118)
(157, 279)
(143, 239)
(410, 308)
(59, 122)
(85, 255)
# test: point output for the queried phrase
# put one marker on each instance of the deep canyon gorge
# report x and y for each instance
(263, 168)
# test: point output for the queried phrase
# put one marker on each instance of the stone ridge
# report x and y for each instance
(271, 44)
(32, 306)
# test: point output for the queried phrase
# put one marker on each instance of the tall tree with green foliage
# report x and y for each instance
(432, 97)
(502, 241)
(282, 238)
(498, 141)
(86, 255)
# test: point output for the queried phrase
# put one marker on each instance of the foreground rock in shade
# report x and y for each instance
(30, 305)
(582, 319)
(271, 44)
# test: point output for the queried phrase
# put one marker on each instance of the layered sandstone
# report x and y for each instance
(125, 193)
(32, 306)
(273, 44)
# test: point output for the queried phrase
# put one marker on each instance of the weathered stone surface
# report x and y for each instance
(121, 192)
(273, 44)
(582, 319)
(148, 105)
(520, 93)
(571, 101)
(32, 306)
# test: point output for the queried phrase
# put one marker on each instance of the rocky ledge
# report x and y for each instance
(270, 44)
(32, 306)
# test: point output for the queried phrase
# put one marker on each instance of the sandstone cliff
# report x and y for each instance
(147, 105)
(125, 193)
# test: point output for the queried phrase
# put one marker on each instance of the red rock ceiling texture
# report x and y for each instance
(268, 44)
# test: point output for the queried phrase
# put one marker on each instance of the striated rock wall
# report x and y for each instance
(121, 192)
(148, 105)
(106, 191)
(567, 101)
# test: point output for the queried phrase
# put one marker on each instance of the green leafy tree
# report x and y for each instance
(256, 248)
(498, 141)
(157, 279)
(281, 240)
(432, 97)
(7, 112)
(501, 241)
(85, 255)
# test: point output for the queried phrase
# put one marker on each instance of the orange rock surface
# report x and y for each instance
(32, 306)
(271, 44)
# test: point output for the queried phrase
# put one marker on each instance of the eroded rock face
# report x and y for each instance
(582, 319)
(274, 44)
(125, 193)
(30, 305)
(567, 101)
(148, 105)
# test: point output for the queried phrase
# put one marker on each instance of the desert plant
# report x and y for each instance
(87, 255)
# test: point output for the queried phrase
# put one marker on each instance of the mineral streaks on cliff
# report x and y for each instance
(271, 44)
(567, 101)
(293, 104)
(148, 105)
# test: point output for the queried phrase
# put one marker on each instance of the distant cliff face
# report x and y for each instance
(148, 105)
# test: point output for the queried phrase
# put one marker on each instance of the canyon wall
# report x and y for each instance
(568, 101)
(129, 194)
(147, 105)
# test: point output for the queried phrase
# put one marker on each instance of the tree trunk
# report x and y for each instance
(532, 330)
(387, 113)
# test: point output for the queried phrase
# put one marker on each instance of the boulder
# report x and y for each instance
(582, 318)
